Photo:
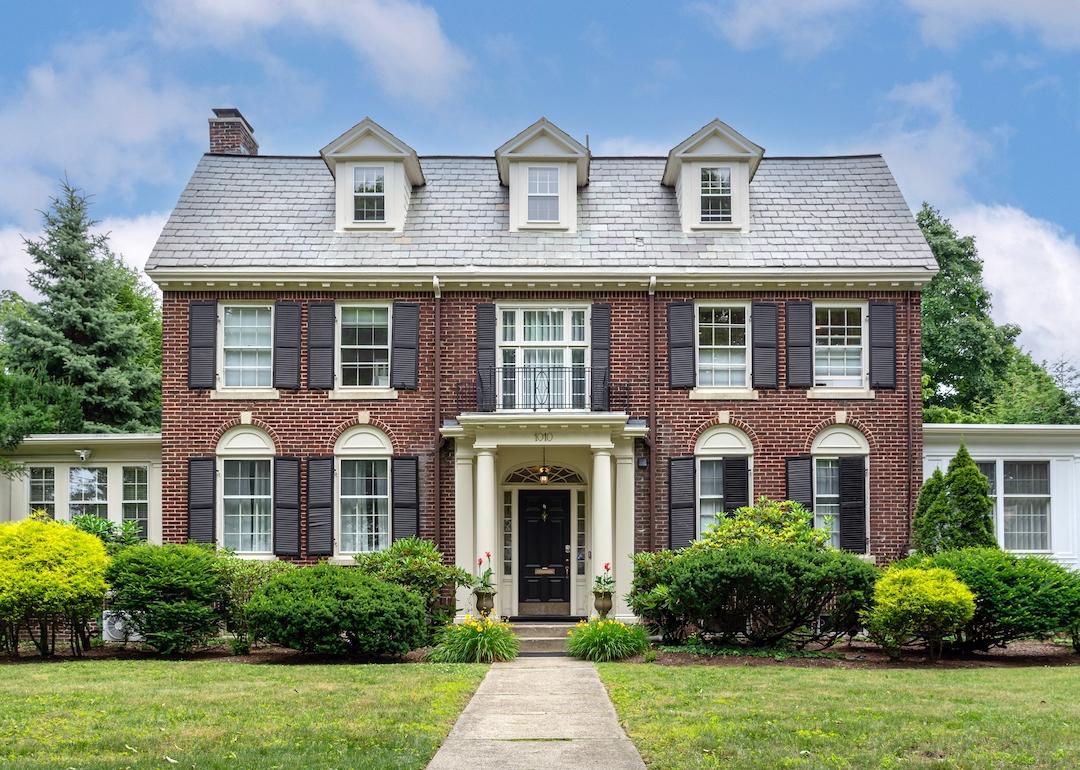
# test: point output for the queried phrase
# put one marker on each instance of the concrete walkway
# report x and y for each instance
(538, 714)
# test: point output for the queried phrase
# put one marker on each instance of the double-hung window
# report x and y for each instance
(1026, 521)
(365, 346)
(839, 346)
(88, 492)
(543, 194)
(716, 195)
(365, 505)
(542, 354)
(710, 493)
(827, 497)
(369, 194)
(247, 500)
(722, 346)
(42, 490)
(247, 346)
(136, 501)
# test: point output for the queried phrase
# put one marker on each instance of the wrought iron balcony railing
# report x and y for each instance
(542, 389)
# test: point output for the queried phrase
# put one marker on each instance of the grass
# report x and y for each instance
(220, 714)
(780, 717)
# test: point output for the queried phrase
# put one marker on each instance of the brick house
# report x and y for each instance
(548, 356)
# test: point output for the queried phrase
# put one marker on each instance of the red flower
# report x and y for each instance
(607, 566)
(487, 554)
(479, 562)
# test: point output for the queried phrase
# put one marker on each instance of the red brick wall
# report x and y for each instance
(781, 423)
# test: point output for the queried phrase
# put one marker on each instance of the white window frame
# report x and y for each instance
(730, 195)
(269, 554)
(353, 195)
(529, 195)
(125, 501)
(243, 390)
(362, 391)
(836, 442)
(340, 508)
(30, 501)
(998, 499)
(71, 502)
(748, 382)
(243, 442)
(834, 523)
(717, 443)
(519, 345)
(361, 442)
(862, 386)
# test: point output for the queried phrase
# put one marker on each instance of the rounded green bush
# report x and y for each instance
(475, 640)
(173, 595)
(912, 604)
(337, 610)
(602, 640)
(1016, 597)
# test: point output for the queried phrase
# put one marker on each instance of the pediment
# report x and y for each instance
(714, 141)
(543, 140)
(367, 140)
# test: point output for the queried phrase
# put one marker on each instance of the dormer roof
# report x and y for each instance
(713, 141)
(367, 140)
(543, 141)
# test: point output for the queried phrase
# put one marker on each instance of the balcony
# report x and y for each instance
(542, 389)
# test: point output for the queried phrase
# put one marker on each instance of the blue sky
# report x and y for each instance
(975, 103)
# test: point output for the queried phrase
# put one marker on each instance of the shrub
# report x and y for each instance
(52, 576)
(241, 579)
(337, 610)
(171, 595)
(601, 640)
(955, 512)
(650, 597)
(912, 604)
(761, 595)
(1016, 597)
(475, 640)
(766, 522)
(114, 536)
(418, 565)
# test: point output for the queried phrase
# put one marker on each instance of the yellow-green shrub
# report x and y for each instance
(912, 604)
(51, 574)
(482, 639)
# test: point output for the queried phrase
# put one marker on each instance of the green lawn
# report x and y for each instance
(220, 714)
(787, 717)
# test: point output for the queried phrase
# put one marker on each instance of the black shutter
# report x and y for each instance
(202, 344)
(682, 366)
(320, 506)
(287, 345)
(485, 357)
(682, 501)
(765, 347)
(286, 506)
(201, 504)
(736, 483)
(882, 345)
(600, 341)
(405, 342)
(320, 345)
(853, 503)
(799, 330)
(405, 497)
(800, 481)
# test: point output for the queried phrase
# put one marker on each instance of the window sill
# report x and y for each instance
(825, 393)
(363, 394)
(245, 394)
(716, 226)
(723, 394)
(376, 226)
(542, 226)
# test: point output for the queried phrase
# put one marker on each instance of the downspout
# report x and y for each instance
(652, 411)
(437, 288)
(910, 437)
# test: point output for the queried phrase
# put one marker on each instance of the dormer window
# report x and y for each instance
(715, 194)
(543, 194)
(369, 194)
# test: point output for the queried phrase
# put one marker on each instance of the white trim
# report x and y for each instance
(362, 394)
(519, 196)
(999, 461)
(245, 394)
(723, 441)
(825, 392)
(744, 391)
(245, 441)
(723, 394)
(219, 494)
(360, 454)
(838, 440)
(518, 345)
(363, 441)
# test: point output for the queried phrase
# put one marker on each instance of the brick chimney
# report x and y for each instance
(231, 133)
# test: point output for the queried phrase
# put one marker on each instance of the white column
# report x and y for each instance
(464, 544)
(487, 508)
(622, 564)
(601, 513)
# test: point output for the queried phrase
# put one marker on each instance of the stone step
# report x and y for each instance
(542, 644)
(542, 630)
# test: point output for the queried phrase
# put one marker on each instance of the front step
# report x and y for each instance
(542, 637)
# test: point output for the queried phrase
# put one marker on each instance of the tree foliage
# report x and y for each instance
(954, 510)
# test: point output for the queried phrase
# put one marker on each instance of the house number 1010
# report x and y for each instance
(543, 438)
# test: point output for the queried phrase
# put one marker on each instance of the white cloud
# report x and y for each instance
(944, 22)
(401, 41)
(803, 27)
(98, 115)
(1033, 267)
(130, 238)
(630, 145)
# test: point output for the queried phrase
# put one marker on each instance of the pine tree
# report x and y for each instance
(929, 514)
(81, 334)
(971, 523)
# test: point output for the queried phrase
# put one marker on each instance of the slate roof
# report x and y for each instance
(805, 213)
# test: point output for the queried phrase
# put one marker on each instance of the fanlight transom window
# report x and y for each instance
(544, 474)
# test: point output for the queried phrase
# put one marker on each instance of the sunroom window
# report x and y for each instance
(42, 490)
(542, 359)
(838, 346)
(88, 492)
(1027, 506)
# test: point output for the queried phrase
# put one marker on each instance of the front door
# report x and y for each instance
(544, 552)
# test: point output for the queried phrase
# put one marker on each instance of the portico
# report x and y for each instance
(551, 498)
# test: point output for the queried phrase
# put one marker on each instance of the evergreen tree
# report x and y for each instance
(30, 406)
(954, 510)
(929, 514)
(81, 334)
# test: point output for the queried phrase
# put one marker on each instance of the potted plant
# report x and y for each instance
(603, 588)
(484, 586)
